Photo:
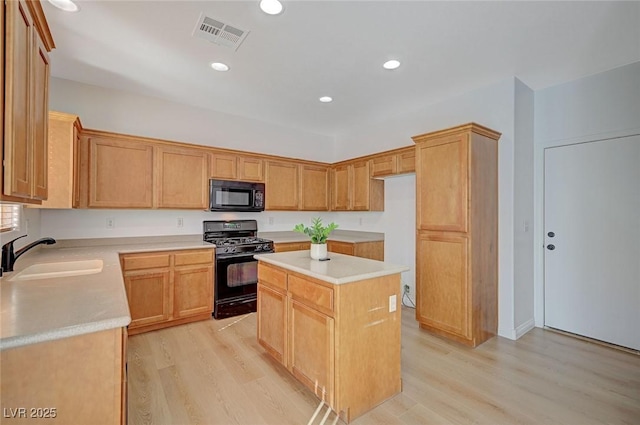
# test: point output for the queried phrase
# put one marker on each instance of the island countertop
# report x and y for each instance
(337, 270)
(48, 309)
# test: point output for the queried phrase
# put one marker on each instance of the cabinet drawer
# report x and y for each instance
(291, 246)
(314, 294)
(145, 261)
(194, 257)
(272, 277)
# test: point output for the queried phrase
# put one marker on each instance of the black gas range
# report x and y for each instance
(236, 274)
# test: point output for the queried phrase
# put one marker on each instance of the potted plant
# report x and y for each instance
(318, 234)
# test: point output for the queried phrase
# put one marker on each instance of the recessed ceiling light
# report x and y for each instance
(219, 66)
(392, 64)
(66, 5)
(271, 7)
(325, 99)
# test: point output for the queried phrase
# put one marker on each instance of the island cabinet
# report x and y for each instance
(353, 189)
(26, 69)
(342, 341)
(74, 380)
(457, 233)
(168, 288)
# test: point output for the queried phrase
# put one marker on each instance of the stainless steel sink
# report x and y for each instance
(59, 269)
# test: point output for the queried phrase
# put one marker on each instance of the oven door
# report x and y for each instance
(235, 285)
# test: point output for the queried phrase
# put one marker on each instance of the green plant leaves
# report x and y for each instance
(317, 232)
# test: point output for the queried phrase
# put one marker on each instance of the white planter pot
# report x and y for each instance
(318, 251)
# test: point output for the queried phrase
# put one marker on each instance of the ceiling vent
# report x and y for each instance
(218, 32)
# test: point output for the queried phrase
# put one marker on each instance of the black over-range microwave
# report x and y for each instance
(229, 195)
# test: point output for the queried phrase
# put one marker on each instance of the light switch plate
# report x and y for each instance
(393, 300)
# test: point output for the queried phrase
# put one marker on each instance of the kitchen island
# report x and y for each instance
(335, 325)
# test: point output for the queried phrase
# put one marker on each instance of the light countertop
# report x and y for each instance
(351, 236)
(338, 270)
(48, 309)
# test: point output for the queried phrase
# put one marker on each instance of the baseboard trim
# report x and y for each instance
(516, 333)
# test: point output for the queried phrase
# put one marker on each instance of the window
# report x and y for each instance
(10, 217)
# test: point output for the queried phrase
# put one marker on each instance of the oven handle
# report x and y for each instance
(226, 257)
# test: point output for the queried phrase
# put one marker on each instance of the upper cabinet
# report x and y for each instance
(63, 139)
(297, 186)
(26, 67)
(353, 189)
(399, 161)
(230, 166)
(177, 166)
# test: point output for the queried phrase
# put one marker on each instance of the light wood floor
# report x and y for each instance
(214, 372)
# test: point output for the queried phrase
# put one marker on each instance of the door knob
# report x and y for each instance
(551, 247)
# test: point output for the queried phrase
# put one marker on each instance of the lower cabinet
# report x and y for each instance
(75, 380)
(168, 288)
(373, 250)
(341, 341)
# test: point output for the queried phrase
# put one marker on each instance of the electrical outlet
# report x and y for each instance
(406, 289)
(270, 221)
(111, 223)
(180, 222)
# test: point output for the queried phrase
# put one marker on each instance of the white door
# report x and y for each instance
(592, 240)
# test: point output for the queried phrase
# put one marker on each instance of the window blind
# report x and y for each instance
(10, 217)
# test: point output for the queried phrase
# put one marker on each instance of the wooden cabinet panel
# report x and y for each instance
(443, 192)
(340, 188)
(310, 293)
(373, 250)
(120, 174)
(443, 298)
(224, 167)
(311, 348)
(62, 141)
(406, 161)
(193, 290)
(250, 169)
(272, 322)
(314, 188)
(272, 277)
(182, 179)
(281, 186)
(341, 247)
(168, 288)
(40, 97)
(361, 182)
(384, 166)
(149, 296)
(291, 246)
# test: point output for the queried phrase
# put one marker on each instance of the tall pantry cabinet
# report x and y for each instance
(457, 233)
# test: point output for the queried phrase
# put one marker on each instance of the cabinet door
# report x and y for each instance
(149, 296)
(340, 188)
(311, 348)
(250, 169)
(120, 174)
(17, 138)
(360, 189)
(182, 178)
(384, 166)
(193, 290)
(406, 161)
(272, 322)
(291, 246)
(224, 167)
(443, 289)
(442, 184)
(340, 247)
(40, 98)
(281, 186)
(314, 188)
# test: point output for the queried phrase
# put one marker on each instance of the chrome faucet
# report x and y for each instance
(9, 257)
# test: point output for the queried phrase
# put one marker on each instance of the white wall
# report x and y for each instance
(121, 112)
(597, 107)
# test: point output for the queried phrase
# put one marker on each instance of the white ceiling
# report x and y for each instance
(337, 48)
